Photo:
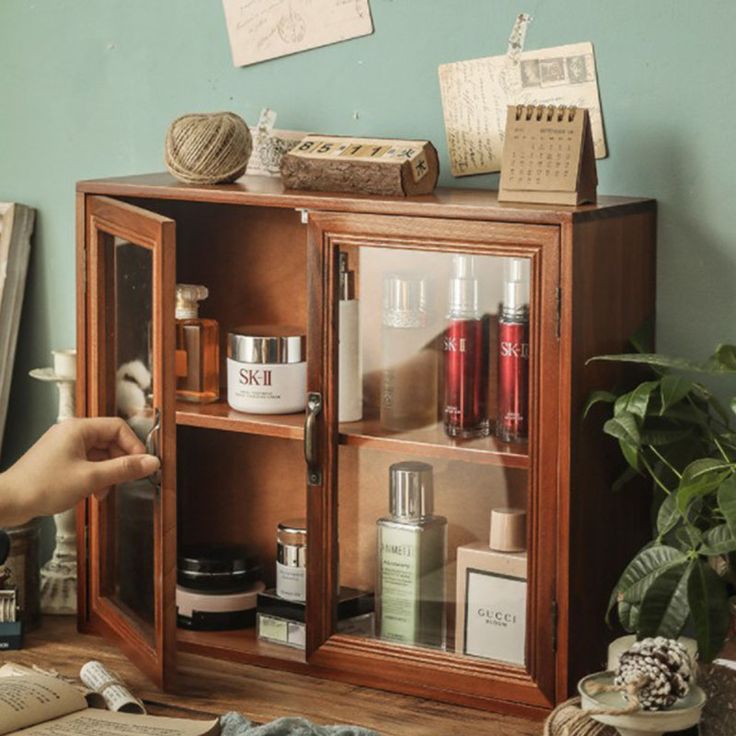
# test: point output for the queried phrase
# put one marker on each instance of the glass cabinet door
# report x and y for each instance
(442, 494)
(131, 532)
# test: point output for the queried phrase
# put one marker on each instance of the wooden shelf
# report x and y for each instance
(433, 442)
(430, 442)
(240, 646)
(220, 416)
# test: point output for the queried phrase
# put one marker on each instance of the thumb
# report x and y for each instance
(107, 473)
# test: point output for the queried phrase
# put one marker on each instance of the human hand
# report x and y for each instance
(69, 462)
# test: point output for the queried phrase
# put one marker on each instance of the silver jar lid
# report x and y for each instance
(411, 494)
(267, 344)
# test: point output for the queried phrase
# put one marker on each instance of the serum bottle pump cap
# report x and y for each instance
(463, 298)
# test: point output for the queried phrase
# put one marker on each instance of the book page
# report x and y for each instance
(266, 29)
(476, 94)
(111, 687)
(11, 669)
(106, 723)
(31, 699)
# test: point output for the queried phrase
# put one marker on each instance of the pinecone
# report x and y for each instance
(662, 666)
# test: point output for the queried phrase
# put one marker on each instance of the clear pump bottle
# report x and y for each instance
(409, 355)
(197, 348)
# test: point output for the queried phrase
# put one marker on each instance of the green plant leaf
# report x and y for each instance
(718, 541)
(672, 390)
(727, 502)
(668, 515)
(652, 359)
(708, 599)
(628, 475)
(628, 615)
(624, 428)
(665, 609)
(636, 402)
(597, 397)
(723, 360)
(630, 453)
(641, 572)
(701, 484)
(661, 437)
(643, 339)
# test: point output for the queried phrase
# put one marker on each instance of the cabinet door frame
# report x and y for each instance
(370, 661)
(102, 219)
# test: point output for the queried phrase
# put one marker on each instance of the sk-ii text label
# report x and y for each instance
(255, 377)
(455, 344)
(514, 349)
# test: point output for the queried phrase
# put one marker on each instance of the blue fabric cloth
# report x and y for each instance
(233, 724)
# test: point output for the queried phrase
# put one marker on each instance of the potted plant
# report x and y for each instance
(674, 430)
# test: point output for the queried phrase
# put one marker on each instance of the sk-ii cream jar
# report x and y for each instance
(267, 369)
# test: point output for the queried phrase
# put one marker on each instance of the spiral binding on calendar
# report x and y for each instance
(548, 112)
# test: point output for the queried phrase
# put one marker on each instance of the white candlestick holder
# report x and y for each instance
(59, 574)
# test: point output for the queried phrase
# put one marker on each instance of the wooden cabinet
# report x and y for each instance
(270, 256)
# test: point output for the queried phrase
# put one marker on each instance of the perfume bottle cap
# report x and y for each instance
(404, 301)
(411, 494)
(463, 299)
(347, 279)
(508, 530)
(188, 297)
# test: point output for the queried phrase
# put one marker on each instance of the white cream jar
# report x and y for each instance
(266, 369)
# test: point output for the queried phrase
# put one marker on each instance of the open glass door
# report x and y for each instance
(130, 266)
(442, 503)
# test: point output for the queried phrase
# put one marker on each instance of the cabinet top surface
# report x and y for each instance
(443, 202)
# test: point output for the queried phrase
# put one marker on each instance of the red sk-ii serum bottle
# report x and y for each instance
(512, 424)
(466, 356)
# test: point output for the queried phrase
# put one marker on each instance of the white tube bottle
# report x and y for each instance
(350, 387)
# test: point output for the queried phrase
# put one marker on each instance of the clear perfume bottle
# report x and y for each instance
(409, 355)
(412, 553)
(197, 348)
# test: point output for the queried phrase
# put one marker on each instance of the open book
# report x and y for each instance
(38, 705)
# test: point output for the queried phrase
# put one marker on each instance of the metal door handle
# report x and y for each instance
(311, 438)
(152, 446)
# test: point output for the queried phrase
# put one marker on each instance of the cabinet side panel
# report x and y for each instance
(608, 283)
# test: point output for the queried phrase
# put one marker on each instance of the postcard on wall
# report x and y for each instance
(267, 29)
(476, 94)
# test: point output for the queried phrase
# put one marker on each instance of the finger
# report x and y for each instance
(103, 431)
(101, 495)
(107, 473)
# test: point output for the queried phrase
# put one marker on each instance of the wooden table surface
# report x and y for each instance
(211, 687)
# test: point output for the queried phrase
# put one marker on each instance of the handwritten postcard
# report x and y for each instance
(267, 29)
(477, 93)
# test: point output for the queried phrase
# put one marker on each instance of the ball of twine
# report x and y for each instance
(208, 148)
(567, 719)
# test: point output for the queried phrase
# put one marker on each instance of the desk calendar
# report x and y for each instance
(548, 156)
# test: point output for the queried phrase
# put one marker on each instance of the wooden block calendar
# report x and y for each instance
(548, 156)
(361, 165)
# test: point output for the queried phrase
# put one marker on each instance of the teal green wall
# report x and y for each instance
(87, 88)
